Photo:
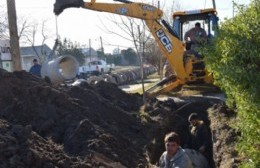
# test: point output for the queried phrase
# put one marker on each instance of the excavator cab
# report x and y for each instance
(183, 20)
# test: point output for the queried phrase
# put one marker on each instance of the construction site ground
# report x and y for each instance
(99, 125)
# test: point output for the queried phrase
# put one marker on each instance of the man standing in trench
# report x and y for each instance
(174, 156)
(200, 137)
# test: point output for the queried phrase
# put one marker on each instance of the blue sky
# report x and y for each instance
(81, 24)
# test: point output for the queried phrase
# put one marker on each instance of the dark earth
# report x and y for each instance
(96, 125)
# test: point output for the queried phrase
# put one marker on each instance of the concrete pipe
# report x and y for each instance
(60, 69)
(118, 78)
(94, 79)
(133, 76)
(124, 77)
(109, 78)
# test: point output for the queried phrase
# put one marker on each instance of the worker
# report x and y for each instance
(196, 35)
(174, 156)
(36, 68)
(200, 137)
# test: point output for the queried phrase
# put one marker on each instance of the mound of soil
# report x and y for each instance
(79, 118)
(110, 91)
(21, 147)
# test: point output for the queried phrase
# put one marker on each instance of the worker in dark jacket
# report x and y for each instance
(36, 68)
(201, 137)
(196, 34)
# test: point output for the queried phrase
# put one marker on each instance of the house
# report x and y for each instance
(5, 55)
(90, 54)
(37, 52)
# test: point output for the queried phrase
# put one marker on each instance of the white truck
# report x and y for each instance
(95, 68)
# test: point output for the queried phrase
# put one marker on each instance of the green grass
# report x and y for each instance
(149, 82)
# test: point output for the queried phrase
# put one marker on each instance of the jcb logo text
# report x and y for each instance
(164, 40)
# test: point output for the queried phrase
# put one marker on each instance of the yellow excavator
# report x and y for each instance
(187, 66)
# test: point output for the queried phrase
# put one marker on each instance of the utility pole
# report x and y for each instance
(89, 50)
(101, 42)
(14, 40)
(161, 59)
(141, 54)
(233, 6)
(214, 4)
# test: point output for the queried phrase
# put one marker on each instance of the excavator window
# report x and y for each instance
(182, 24)
(171, 31)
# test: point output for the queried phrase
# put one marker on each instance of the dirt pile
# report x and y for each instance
(79, 118)
(21, 147)
(110, 91)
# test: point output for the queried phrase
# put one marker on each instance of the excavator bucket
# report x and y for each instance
(60, 5)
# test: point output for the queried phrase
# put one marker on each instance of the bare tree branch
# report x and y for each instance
(25, 26)
(30, 32)
(4, 34)
(108, 31)
(44, 36)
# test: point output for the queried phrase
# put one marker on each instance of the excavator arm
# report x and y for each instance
(168, 42)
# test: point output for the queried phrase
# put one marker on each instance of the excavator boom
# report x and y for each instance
(171, 46)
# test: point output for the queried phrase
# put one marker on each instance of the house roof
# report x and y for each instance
(29, 51)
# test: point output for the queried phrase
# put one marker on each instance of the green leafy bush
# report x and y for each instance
(234, 58)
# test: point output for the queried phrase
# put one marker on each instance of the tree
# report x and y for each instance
(28, 34)
(131, 56)
(101, 54)
(67, 47)
(135, 31)
(3, 24)
(234, 59)
(154, 56)
(132, 32)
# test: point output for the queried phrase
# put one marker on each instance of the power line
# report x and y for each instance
(34, 7)
(115, 45)
(106, 43)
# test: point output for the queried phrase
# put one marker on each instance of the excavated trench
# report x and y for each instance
(173, 116)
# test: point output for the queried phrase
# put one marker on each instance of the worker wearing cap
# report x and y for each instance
(201, 140)
(36, 68)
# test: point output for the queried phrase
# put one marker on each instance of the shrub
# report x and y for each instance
(234, 58)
